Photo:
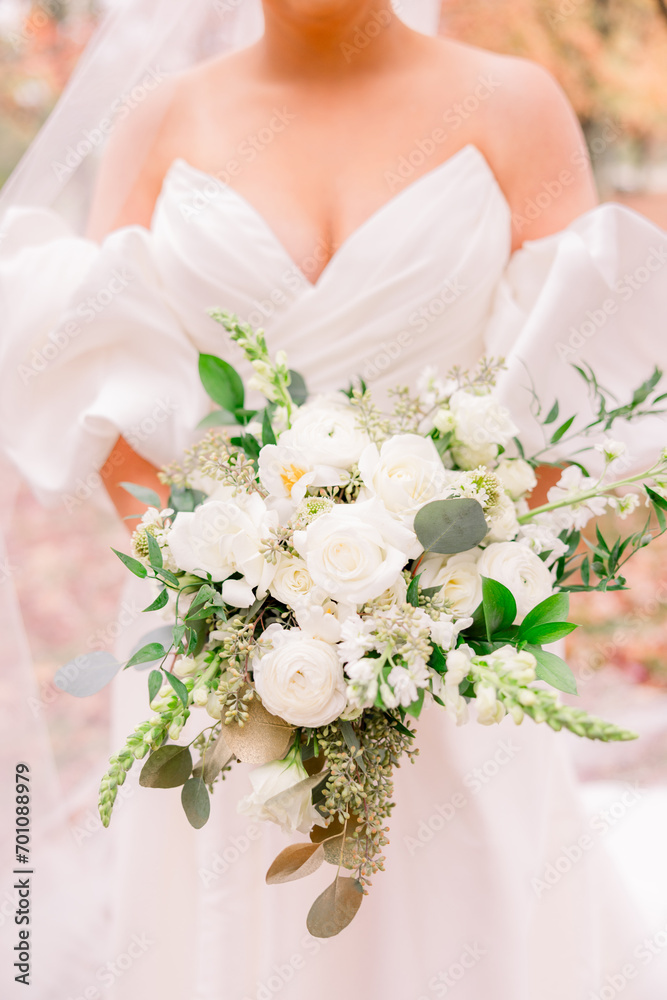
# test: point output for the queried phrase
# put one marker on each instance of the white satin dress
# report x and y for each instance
(428, 279)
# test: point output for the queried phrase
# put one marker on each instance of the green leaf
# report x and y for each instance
(645, 390)
(541, 635)
(586, 572)
(268, 435)
(154, 552)
(167, 767)
(132, 564)
(185, 500)
(657, 499)
(349, 735)
(154, 683)
(412, 596)
(563, 429)
(449, 526)
(179, 687)
(152, 651)
(219, 418)
(148, 497)
(553, 413)
(222, 382)
(499, 606)
(298, 389)
(438, 661)
(168, 577)
(553, 670)
(196, 802)
(554, 609)
(415, 708)
(159, 602)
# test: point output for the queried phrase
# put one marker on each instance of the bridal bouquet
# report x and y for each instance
(330, 571)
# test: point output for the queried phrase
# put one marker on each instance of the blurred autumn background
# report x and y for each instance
(611, 58)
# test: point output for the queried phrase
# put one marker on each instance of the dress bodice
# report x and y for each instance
(103, 340)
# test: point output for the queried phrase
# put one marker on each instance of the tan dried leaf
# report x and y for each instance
(215, 758)
(263, 738)
(296, 861)
(340, 851)
(335, 908)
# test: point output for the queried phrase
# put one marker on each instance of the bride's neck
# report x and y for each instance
(369, 36)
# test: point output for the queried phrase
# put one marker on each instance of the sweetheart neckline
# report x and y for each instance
(397, 198)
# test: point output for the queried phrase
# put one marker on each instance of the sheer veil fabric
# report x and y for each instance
(153, 908)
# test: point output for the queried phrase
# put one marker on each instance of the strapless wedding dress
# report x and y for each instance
(101, 341)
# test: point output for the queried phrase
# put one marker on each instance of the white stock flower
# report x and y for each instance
(406, 682)
(223, 537)
(356, 638)
(611, 449)
(406, 473)
(517, 477)
(327, 432)
(445, 630)
(298, 678)
(481, 421)
(268, 801)
(624, 505)
(571, 483)
(520, 570)
(356, 551)
(459, 578)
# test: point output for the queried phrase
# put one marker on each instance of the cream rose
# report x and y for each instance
(356, 551)
(293, 585)
(299, 678)
(517, 476)
(279, 796)
(406, 473)
(327, 431)
(459, 578)
(520, 570)
(223, 537)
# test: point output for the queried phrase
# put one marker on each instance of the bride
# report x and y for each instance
(378, 200)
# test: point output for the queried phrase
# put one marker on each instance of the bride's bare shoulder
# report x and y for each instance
(520, 118)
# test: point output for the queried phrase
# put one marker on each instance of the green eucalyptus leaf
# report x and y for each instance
(185, 500)
(449, 526)
(218, 418)
(298, 389)
(146, 496)
(167, 767)
(87, 674)
(222, 382)
(196, 802)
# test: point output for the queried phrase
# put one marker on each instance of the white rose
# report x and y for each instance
(517, 476)
(467, 457)
(459, 578)
(327, 431)
(481, 420)
(356, 551)
(293, 585)
(502, 520)
(298, 678)
(520, 570)
(269, 801)
(405, 473)
(223, 537)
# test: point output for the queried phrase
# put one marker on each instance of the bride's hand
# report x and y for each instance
(125, 466)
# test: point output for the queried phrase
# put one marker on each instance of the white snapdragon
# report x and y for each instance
(488, 709)
(458, 667)
(405, 473)
(520, 570)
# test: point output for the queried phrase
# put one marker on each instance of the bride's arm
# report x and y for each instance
(128, 186)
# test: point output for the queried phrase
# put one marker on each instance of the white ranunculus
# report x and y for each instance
(481, 420)
(327, 431)
(520, 570)
(273, 800)
(502, 520)
(298, 678)
(405, 473)
(517, 476)
(293, 585)
(288, 472)
(459, 578)
(356, 551)
(223, 537)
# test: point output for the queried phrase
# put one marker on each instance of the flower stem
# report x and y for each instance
(589, 494)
